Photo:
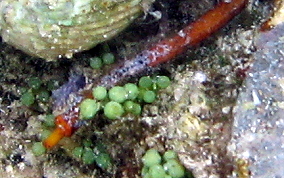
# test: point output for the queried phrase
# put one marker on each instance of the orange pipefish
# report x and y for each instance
(165, 50)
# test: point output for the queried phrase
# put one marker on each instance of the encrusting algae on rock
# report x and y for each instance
(50, 28)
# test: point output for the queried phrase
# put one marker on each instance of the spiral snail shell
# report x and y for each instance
(59, 28)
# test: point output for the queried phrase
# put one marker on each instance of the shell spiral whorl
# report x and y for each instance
(54, 28)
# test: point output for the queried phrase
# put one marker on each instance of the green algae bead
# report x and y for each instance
(96, 63)
(22, 90)
(157, 171)
(131, 90)
(141, 94)
(27, 99)
(77, 152)
(113, 110)
(88, 108)
(163, 81)
(144, 170)
(169, 154)
(145, 82)
(103, 160)
(174, 168)
(117, 94)
(136, 109)
(43, 96)
(100, 93)
(108, 58)
(100, 147)
(49, 120)
(147, 175)
(151, 157)
(44, 134)
(128, 106)
(87, 143)
(88, 156)
(34, 82)
(38, 149)
(149, 96)
(132, 107)
(52, 85)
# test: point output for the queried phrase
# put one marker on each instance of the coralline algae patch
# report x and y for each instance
(197, 126)
(196, 122)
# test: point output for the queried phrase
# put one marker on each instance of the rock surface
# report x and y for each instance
(258, 123)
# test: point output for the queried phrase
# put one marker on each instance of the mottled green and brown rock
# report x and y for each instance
(56, 28)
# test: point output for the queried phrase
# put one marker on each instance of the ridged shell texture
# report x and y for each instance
(55, 28)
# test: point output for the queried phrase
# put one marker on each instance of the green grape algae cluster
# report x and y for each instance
(165, 166)
(121, 100)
